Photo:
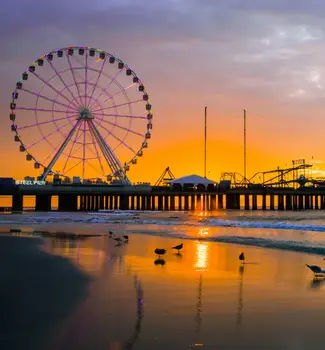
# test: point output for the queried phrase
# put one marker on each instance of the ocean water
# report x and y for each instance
(302, 231)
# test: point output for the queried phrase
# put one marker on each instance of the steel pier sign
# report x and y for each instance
(30, 182)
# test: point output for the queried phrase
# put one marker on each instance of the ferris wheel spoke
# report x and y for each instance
(98, 115)
(96, 83)
(86, 76)
(43, 110)
(72, 146)
(46, 136)
(119, 105)
(63, 82)
(74, 166)
(74, 77)
(47, 98)
(48, 169)
(48, 121)
(120, 92)
(84, 151)
(51, 86)
(87, 145)
(98, 156)
(109, 84)
(50, 154)
(122, 127)
(116, 137)
(93, 166)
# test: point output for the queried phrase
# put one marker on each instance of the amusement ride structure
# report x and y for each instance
(81, 111)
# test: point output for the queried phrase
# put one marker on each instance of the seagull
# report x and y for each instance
(242, 257)
(318, 272)
(178, 247)
(126, 237)
(160, 251)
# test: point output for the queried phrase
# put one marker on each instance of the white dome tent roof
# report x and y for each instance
(192, 179)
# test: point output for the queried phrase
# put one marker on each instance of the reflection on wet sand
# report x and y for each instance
(192, 295)
(139, 302)
(240, 295)
(317, 283)
(198, 315)
(89, 258)
(201, 261)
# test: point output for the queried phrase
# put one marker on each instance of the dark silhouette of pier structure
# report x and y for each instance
(93, 198)
(280, 189)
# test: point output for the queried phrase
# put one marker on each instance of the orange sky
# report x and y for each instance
(272, 66)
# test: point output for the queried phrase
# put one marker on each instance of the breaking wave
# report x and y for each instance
(135, 218)
(292, 245)
(262, 224)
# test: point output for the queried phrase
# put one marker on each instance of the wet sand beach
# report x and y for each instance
(202, 298)
(94, 293)
(37, 292)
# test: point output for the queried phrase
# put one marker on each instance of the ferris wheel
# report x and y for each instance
(81, 111)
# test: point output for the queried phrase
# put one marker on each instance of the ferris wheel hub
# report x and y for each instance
(85, 114)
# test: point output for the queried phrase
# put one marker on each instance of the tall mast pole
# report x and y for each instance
(245, 146)
(205, 141)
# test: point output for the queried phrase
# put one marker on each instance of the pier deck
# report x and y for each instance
(96, 197)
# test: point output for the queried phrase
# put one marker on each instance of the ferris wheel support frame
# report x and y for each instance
(48, 169)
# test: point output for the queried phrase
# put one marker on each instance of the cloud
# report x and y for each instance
(227, 53)
(257, 46)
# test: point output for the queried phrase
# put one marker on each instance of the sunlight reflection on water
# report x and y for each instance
(201, 261)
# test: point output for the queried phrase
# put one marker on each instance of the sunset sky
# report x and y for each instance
(265, 56)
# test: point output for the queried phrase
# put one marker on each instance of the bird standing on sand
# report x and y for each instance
(242, 257)
(160, 251)
(318, 272)
(178, 247)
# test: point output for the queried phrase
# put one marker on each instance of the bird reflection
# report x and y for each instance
(317, 283)
(240, 295)
(139, 300)
(160, 261)
(118, 241)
